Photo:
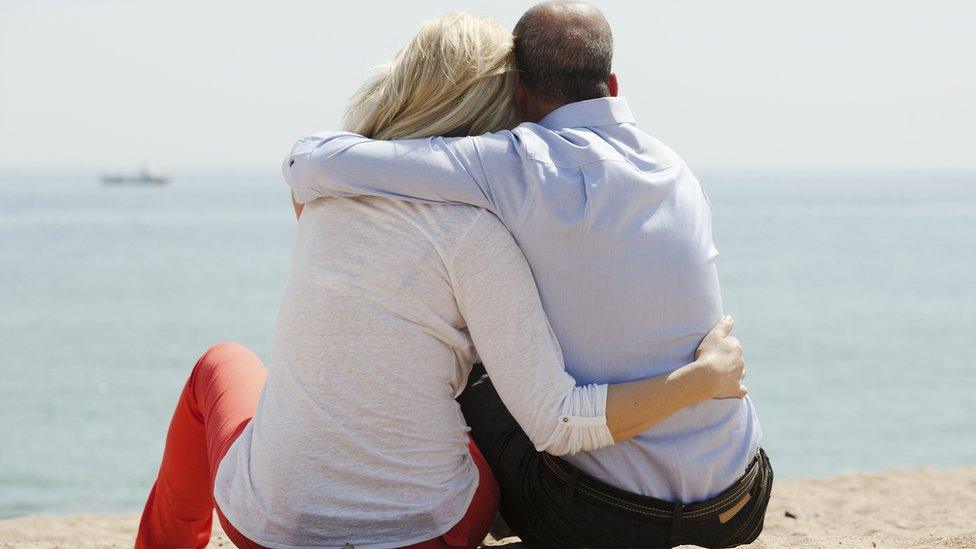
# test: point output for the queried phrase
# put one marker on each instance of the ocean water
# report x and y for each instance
(854, 293)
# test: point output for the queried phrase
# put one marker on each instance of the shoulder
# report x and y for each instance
(465, 237)
(500, 144)
(472, 226)
(487, 237)
(445, 225)
(571, 148)
(565, 148)
(664, 155)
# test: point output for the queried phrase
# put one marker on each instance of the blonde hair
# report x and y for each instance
(455, 77)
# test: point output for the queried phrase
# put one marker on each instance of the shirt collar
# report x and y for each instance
(604, 111)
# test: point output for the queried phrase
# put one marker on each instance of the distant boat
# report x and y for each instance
(144, 177)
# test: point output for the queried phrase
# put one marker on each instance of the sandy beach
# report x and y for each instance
(899, 508)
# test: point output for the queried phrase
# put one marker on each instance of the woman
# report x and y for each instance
(355, 436)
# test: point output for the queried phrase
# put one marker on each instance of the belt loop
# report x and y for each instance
(679, 509)
(571, 484)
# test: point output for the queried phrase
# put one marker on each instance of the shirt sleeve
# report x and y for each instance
(500, 303)
(437, 169)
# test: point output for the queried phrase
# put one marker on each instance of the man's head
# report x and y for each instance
(563, 52)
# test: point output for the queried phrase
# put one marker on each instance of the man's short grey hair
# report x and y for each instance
(563, 51)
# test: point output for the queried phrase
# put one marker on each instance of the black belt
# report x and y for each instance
(597, 491)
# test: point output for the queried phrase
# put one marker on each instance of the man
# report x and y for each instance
(618, 234)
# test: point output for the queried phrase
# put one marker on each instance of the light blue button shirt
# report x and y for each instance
(618, 233)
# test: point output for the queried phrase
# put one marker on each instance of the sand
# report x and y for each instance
(901, 508)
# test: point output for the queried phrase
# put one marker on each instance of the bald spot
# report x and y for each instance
(558, 17)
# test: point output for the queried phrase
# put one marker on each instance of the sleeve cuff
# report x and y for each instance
(582, 427)
(298, 170)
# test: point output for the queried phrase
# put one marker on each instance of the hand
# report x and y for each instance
(720, 354)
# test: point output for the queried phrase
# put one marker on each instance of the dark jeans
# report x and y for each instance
(549, 503)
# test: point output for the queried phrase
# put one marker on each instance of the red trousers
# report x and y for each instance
(217, 403)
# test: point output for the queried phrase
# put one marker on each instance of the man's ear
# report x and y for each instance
(612, 84)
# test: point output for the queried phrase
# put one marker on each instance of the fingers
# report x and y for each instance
(741, 392)
(724, 327)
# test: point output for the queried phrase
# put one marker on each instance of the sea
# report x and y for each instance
(854, 295)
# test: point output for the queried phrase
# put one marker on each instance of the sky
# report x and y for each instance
(92, 86)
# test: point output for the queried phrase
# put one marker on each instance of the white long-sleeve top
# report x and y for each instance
(357, 437)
